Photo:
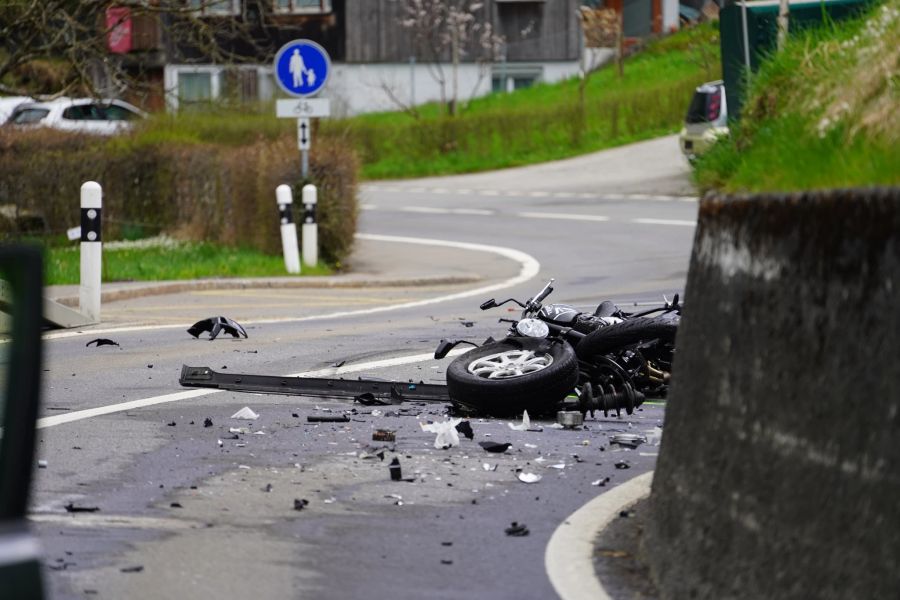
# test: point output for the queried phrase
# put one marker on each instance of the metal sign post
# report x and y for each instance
(302, 68)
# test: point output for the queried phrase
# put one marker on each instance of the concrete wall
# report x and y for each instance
(779, 473)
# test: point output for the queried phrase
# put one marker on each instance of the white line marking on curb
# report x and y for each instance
(529, 267)
(570, 217)
(569, 555)
(198, 393)
(664, 222)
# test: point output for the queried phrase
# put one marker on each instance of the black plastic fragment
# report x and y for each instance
(217, 325)
(494, 446)
(70, 507)
(134, 569)
(465, 428)
(369, 399)
(396, 472)
(300, 503)
(623, 464)
(102, 342)
(327, 419)
(207, 422)
(517, 530)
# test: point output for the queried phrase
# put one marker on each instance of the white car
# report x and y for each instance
(85, 115)
(9, 103)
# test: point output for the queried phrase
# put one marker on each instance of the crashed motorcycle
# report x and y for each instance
(613, 360)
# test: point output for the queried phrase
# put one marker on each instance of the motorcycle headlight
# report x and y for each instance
(532, 328)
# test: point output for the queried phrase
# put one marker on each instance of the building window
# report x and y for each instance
(216, 8)
(195, 88)
(302, 6)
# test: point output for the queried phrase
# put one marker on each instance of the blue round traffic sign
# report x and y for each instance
(302, 67)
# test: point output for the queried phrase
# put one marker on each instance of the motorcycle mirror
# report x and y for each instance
(489, 304)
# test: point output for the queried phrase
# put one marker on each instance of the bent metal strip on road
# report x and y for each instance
(528, 268)
(197, 393)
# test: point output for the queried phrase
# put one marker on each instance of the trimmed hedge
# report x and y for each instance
(201, 192)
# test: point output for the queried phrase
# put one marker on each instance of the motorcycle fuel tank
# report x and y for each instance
(558, 314)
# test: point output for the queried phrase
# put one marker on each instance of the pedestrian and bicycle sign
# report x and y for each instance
(302, 68)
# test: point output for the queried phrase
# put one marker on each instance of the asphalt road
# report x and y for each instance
(189, 511)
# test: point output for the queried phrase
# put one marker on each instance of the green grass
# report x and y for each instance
(159, 263)
(544, 122)
(821, 114)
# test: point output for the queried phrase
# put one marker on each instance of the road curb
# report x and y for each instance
(332, 282)
(569, 555)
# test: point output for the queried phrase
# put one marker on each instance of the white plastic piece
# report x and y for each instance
(529, 477)
(447, 436)
(525, 425)
(245, 413)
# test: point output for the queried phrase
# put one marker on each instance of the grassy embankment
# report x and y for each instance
(544, 122)
(824, 113)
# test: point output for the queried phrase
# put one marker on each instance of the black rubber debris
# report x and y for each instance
(176, 505)
(623, 464)
(217, 325)
(172, 424)
(494, 446)
(396, 472)
(102, 342)
(300, 503)
(134, 569)
(517, 530)
(465, 428)
(70, 507)
(369, 399)
(327, 419)
(207, 422)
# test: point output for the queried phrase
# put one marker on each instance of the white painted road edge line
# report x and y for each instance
(529, 267)
(570, 551)
(570, 217)
(80, 415)
(664, 222)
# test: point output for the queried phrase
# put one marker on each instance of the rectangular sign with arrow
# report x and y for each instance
(304, 134)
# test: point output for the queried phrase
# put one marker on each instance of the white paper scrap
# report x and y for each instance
(245, 413)
(447, 436)
(529, 477)
(525, 425)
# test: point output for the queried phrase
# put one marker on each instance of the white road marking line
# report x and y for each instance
(570, 217)
(80, 415)
(568, 558)
(538, 194)
(690, 199)
(366, 206)
(563, 195)
(529, 267)
(489, 192)
(425, 209)
(473, 211)
(664, 222)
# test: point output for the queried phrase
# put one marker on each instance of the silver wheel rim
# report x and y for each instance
(509, 364)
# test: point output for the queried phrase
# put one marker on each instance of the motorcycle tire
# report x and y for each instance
(473, 390)
(605, 340)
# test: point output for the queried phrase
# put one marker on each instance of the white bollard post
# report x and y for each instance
(285, 199)
(91, 251)
(310, 228)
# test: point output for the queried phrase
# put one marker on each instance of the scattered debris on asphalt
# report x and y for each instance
(369, 399)
(175, 505)
(217, 325)
(447, 435)
(134, 569)
(623, 464)
(465, 428)
(171, 424)
(528, 477)
(384, 435)
(300, 503)
(245, 413)
(654, 436)
(627, 440)
(395, 470)
(494, 446)
(72, 508)
(570, 419)
(42, 464)
(327, 419)
(489, 467)
(516, 530)
(525, 425)
(207, 422)
(102, 342)
(601, 482)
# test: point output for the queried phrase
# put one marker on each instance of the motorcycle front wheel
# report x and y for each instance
(512, 375)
